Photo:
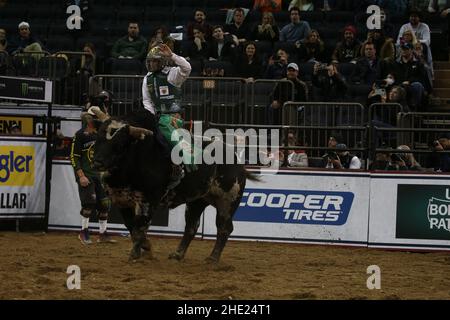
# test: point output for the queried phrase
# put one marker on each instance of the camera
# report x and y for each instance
(397, 157)
(322, 66)
(331, 156)
(381, 84)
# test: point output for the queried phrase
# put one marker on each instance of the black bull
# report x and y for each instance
(138, 173)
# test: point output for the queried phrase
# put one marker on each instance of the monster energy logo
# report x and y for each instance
(24, 89)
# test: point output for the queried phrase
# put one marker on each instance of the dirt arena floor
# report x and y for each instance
(34, 265)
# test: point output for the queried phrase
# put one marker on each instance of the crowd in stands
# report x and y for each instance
(334, 69)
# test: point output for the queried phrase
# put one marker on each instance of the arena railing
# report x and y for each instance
(217, 99)
(421, 150)
(126, 89)
(74, 76)
(26, 63)
(384, 115)
(260, 96)
(316, 122)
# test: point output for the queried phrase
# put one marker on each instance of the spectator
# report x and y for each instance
(408, 158)
(295, 158)
(161, 35)
(249, 65)
(422, 58)
(342, 159)
(382, 162)
(411, 73)
(3, 40)
(239, 28)
(438, 160)
(329, 82)
(312, 49)
(277, 67)
(386, 161)
(396, 94)
(198, 47)
(199, 20)
(15, 130)
(420, 29)
(365, 72)
(87, 65)
(24, 42)
(267, 5)
(384, 46)
(283, 93)
(222, 47)
(408, 36)
(132, 46)
(267, 30)
(349, 49)
(60, 147)
(297, 30)
(303, 5)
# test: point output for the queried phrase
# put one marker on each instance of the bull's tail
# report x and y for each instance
(252, 176)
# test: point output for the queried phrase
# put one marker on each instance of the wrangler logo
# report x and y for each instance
(16, 166)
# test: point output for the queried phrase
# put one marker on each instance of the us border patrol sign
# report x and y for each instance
(423, 212)
(26, 89)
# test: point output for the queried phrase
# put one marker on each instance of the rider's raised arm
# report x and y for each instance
(181, 72)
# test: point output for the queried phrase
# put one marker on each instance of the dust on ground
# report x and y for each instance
(34, 265)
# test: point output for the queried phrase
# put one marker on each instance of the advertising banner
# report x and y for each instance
(27, 89)
(26, 125)
(22, 177)
(410, 211)
(300, 206)
(68, 127)
(423, 212)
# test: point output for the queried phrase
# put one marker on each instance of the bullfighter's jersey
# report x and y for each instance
(82, 152)
(162, 89)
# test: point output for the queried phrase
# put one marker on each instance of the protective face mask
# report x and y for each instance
(389, 81)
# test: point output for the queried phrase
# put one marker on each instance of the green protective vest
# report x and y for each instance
(163, 94)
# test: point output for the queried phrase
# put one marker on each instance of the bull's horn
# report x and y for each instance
(140, 133)
(96, 111)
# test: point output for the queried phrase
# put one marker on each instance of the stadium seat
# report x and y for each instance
(24, 65)
(197, 68)
(346, 69)
(306, 71)
(226, 66)
(126, 66)
(287, 46)
(52, 67)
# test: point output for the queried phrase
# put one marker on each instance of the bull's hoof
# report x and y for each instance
(212, 260)
(134, 254)
(176, 255)
(146, 245)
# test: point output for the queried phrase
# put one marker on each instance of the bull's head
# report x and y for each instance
(114, 138)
